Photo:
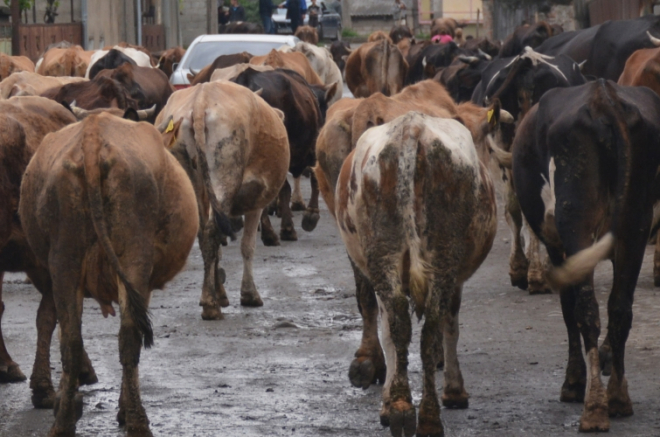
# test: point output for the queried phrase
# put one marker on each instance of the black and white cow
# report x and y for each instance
(585, 163)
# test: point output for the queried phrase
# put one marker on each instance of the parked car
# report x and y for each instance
(329, 22)
(205, 48)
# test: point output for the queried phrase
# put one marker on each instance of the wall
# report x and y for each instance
(102, 31)
(196, 18)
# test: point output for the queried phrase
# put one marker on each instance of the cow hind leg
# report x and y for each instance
(268, 235)
(454, 394)
(249, 294)
(537, 266)
(312, 214)
(518, 264)
(368, 366)
(213, 293)
(287, 230)
(297, 202)
(430, 424)
(131, 412)
(576, 372)
(656, 261)
(9, 370)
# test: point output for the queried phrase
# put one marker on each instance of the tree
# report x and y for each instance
(24, 4)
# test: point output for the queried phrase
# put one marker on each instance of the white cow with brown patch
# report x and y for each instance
(416, 210)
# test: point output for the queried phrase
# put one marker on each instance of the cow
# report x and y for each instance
(375, 67)
(378, 36)
(57, 45)
(606, 47)
(114, 57)
(340, 51)
(462, 76)
(292, 61)
(231, 73)
(121, 220)
(431, 58)
(525, 36)
(14, 64)
(241, 27)
(519, 85)
(132, 52)
(491, 48)
(417, 213)
(222, 61)
(348, 120)
(149, 87)
(101, 92)
(585, 163)
(248, 158)
(321, 61)
(25, 83)
(399, 33)
(304, 109)
(24, 122)
(72, 61)
(642, 68)
(444, 26)
(169, 58)
(307, 34)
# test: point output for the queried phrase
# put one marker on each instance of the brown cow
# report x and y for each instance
(400, 32)
(26, 83)
(14, 64)
(340, 51)
(295, 61)
(444, 26)
(147, 86)
(72, 61)
(24, 122)
(376, 67)
(101, 92)
(223, 61)
(249, 142)
(113, 215)
(378, 36)
(307, 34)
(169, 58)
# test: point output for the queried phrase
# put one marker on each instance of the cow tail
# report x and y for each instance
(385, 62)
(136, 304)
(583, 263)
(419, 268)
(199, 128)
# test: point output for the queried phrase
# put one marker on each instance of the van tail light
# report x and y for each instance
(181, 87)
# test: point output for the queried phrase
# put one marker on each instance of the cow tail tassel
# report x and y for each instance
(136, 303)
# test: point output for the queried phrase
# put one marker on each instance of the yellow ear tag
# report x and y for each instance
(490, 115)
(170, 127)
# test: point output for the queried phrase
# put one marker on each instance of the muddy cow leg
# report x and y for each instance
(9, 370)
(368, 366)
(311, 216)
(268, 235)
(576, 372)
(430, 424)
(249, 294)
(454, 394)
(537, 265)
(297, 202)
(398, 410)
(605, 355)
(66, 274)
(656, 261)
(287, 231)
(131, 412)
(518, 263)
(213, 293)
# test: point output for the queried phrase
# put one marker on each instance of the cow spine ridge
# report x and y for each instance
(419, 268)
(199, 130)
(136, 303)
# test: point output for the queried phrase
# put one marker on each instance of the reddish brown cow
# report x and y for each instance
(13, 64)
(376, 67)
(444, 26)
(102, 92)
(642, 69)
(295, 61)
(72, 61)
(308, 34)
(223, 61)
(378, 36)
(169, 58)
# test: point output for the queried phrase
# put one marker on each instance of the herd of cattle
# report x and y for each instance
(96, 202)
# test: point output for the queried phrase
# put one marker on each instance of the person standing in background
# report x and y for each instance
(294, 13)
(236, 12)
(314, 11)
(266, 13)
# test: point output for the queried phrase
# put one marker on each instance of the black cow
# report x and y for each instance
(606, 47)
(463, 75)
(432, 57)
(304, 108)
(525, 36)
(340, 51)
(585, 161)
(113, 59)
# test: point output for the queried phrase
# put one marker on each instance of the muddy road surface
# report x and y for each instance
(282, 370)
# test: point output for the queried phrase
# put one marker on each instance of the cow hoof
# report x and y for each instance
(619, 407)
(403, 420)
(519, 280)
(251, 301)
(77, 403)
(54, 432)
(43, 399)
(87, 377)
(362, 373)
(270, 239)
(11, 373)
(310, 219)
(572, 392)
(210, 312)
(224, 302)
(441, 364)
(594, 420)
(288, 235)
(138, 431)
(298, 205)
(430, 427)
(121, 417)
(458, 401)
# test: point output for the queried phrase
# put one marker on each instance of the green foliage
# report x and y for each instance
(422, 36)
(24, 4)
(348, 33)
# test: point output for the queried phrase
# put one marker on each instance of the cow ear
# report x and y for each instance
(131, 114)
(171, 134)
(496, 115)
(330, 91)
